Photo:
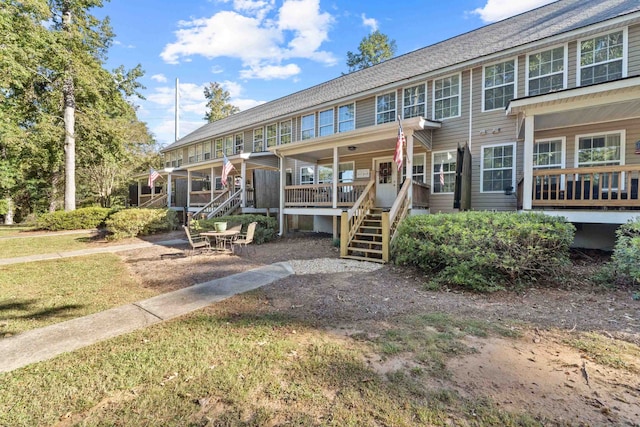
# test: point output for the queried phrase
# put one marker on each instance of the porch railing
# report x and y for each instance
(352, 218)
(228, 206)
(421, 194)
(207, 209)
(591, 187)
(391, 219)
(203, 198)
(319, 195)
(153, 200)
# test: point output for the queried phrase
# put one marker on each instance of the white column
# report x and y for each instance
(283, 181)
(140, 184)
(243, 184)
(188, 188)
(212, 183)
(527, 184)
(169, 190)
(336, 171)
(410, 167)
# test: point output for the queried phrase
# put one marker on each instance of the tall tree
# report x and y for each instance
(218, 106)
(373, 49)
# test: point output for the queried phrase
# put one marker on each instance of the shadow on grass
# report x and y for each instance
(25, 310)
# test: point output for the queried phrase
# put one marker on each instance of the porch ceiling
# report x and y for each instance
(588, 115)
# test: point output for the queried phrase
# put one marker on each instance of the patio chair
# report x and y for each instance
(197, 242)
(244, 239)
(230, 239)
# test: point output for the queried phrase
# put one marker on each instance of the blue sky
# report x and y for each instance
(260, 50)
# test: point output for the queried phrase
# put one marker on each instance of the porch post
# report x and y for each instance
(212, 183)
(527, 184)
(188, 187)
(168, 190)
(336, 171)
(283, 181)
(243, 184)
(410, 167)
(140, 184)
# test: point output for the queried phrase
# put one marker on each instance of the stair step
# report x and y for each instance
(365, 250)
(359, 258)
(358, 234)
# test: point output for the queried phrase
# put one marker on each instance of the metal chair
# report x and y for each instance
(244, 239)
(196, 242)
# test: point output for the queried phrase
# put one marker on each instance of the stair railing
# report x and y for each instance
(352, 218)
(227, 206)
(391, 219)
(155, 202)
(211, 206)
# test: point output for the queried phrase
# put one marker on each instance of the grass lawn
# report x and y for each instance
(10, 248)
(42, 293)
(235, 369)
(12, 230)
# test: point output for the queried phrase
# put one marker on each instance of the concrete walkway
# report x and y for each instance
(45, 343)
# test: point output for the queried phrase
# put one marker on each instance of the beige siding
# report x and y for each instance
(248, 141)
(572, 65)
(634, 50)
(366, 112)
(522, 76)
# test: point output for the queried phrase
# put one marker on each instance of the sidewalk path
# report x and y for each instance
(45, 343)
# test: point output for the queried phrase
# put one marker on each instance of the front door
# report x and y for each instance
(386, 182)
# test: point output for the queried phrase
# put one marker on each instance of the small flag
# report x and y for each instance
(227, 167)
(397, 157)
(442, 175)
(153, 175)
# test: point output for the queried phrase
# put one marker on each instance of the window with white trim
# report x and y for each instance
(413, 101)
(167, 160)
(602, 58)
(386, 108)
(179, 158)
(199, 151)
(325, 122)
(284, 136)
(306, 175)
(419, 161)
(228, 145)
(446, 97)
(258, 139)
(239, 143)
(346, 117)
(443, 171)
(546, 71)
(192, 154)
(272, 134)
(207, 150)
(548, 153)
(605, 149)
(308, 127)
(218, 148)
(498, 168)
(346, 172)
(499, 84)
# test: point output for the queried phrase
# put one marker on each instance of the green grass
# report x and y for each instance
(229, 370)
(12, 230)
(608, 352)
(11, 248)
(39, 294)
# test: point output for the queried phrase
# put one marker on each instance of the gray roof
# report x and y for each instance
(546, 21)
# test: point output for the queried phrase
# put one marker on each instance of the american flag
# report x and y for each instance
(227, 167)
(397, 157)
(153, 175)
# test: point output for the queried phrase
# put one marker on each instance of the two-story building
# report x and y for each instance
(540, 111)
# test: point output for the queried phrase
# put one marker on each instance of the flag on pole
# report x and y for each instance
(397, 157)
(442, 175)
(153, 175)
(227, 167)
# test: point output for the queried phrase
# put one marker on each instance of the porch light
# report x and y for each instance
(351, 148)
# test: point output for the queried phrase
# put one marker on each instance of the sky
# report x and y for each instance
(261, 50)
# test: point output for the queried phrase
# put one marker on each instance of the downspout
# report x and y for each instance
(283, 178)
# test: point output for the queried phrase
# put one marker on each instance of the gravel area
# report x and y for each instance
(332, 265)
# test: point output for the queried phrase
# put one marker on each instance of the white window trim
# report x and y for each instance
(433, 170)
(313, 175)
(625, 52)
(395, 94)
(345, 121)
(280, 134)
(433, 97)
(425, 97)
(276, 136)
(424, 164)
(565, 72)
(514, 168)
(515, 81)
(235, 142)
(333, 121)
(330, 166)
(312, 129)
(264, 143)
(623, 136)
(563, 156)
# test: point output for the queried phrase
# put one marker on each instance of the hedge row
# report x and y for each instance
(626, 254)
(79, 219)
(484, 251)
(140, 222)
(266, 229)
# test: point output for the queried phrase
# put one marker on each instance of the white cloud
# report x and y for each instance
(245, 104)
(496, 10)
(234, 89)
(160, 78)
(216, 69)
(369, 22)
(257, 34)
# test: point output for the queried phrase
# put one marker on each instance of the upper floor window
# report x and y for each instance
(346, 117)
(499, 84)
(418, 168)
(443, 171)
(446, 97)
(207, 150)
(325, 122)
(285, 132)
(497, 168)
(191, 154)
(258, 139)
(546, 71)
(228, 145)
(199, 151)
(239, 143)
(602, 58)
(308, 127)
(306, 175)
(167, 160)
(272, 133)
(413, 101)
(218, 148)
(386, 108)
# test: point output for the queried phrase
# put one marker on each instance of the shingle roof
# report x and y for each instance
(546, 21)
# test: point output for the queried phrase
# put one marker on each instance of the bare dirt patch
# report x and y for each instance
(538, 373)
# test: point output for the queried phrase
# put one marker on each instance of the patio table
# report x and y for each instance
(221, 238)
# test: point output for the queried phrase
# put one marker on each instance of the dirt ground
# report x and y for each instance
(537, 373)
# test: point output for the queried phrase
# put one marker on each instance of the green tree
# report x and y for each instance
(373, 49)
(218, 106)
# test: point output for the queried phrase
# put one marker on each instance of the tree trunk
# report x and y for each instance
(8, 217)
(69, 102)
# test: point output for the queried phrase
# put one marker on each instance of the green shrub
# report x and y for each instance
(266, 229)
(626, 254)
(135, 222)
(484, 251)
(82, 218)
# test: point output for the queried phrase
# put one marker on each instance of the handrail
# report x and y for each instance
(154, 201)
(207, 207)
(391, 219)
(351, 219)
(231, 203)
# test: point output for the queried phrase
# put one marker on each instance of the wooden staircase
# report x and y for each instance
(366, 244)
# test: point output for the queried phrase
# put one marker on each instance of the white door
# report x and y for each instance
(386, 182)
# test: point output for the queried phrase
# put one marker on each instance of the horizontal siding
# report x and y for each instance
(634, 50)
(572, 66)
(365, 112)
